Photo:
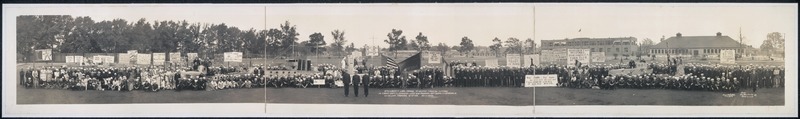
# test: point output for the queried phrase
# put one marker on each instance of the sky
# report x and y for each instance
(368, 24)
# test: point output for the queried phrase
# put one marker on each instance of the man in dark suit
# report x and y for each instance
(346, 81)
(356, 82)
(365, 83)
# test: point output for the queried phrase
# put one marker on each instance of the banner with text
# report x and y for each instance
(108, 59)
(123, 58)
(143, 58)
(435, 58)
(549, 80)
(373, 51)
(159, 58)
(580, 55)
(132, 55)
(232, 57)
(69, 59)
(191, 56)
(727, 57)
(78, 59)
(175, 57)
(598, 57)
(513, 60)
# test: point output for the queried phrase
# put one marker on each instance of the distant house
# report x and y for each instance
(696, 45)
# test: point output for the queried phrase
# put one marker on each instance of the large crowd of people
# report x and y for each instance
(154, 78)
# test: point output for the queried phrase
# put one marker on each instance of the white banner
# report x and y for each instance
(69, 59)
(175, 57)
(319, 82)
(159, 58)
(531, 60)
(547, 56)
(191, 56)
(434, 58)
(598, 57)
(143, 58)
(541, 80)
(491, 63)
(132, 55)
(560, 56)
(580, 55)
(97, 59)
(232, 56)
(513, 60)
(108, 59)
(727, 57)
(123, 58)
(78, 59)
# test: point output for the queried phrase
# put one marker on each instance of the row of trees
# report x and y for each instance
(66, 34)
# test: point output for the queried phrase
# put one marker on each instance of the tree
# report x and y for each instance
(496, 46)
(466, 45)
(337, 47)
(395, 40)
(42, 32)
(289, 36)
(513, 46)
(422, 42)
(274, 44)
(350, 48)
(774, 43)
(442, 47)
(530, 46)
(645, 45)
(315, 42)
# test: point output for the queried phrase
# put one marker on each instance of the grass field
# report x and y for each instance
(461, 96)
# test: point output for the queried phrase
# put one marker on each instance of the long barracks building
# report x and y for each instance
(696, 45)
(624, 46)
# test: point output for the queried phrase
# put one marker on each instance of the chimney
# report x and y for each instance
(719, 34)
(678, 35)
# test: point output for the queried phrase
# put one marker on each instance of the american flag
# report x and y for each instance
(389, 61)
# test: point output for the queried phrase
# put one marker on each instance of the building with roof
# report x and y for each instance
(624, 46)
(696, 45)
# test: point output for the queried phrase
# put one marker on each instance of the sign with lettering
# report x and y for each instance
(70, 59)
(435, 58)
(598, 57)
(580, 55)
(45, 54)
(191, 56)
(549, 80)
(175, 57)
(159, 58)
(232, 57)
(513, 60)
(132, 55)
(727, 57)
(124, 58)
(143, 58)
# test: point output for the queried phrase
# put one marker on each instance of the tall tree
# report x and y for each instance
(530, 46)
(42, 32)
(395, 40)
(513, 46)
(466, 45)
(422, 42)
(350, 48)
(315, 42)
(496, 46)
(337, 47)
(289, 36)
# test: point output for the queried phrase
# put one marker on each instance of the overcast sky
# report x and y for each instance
(447, 23)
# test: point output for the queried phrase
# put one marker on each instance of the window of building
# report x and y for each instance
(601, 49)
(592, 50)
(626, 49)
(617, 49)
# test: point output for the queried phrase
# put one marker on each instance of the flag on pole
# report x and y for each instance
(388, 61)
(412, 63)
